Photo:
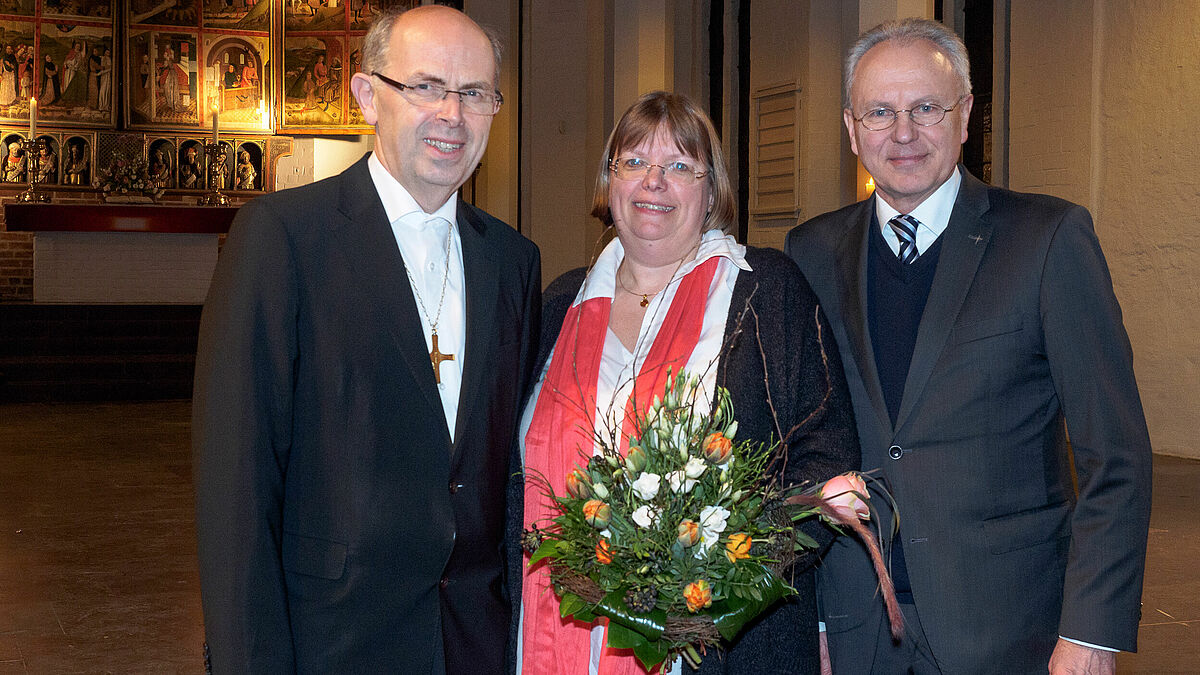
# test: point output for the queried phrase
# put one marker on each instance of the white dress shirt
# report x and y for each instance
(933, 213)
(421, 238)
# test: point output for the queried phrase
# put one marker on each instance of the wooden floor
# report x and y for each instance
(97, 551)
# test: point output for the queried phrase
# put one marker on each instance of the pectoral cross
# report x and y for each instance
(436, 358)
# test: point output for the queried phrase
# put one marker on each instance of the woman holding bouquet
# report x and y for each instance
(673, 291)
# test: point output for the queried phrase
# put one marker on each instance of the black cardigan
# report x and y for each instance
(774, 307)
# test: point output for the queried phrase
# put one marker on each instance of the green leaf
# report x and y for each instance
(620, 637)
(651, 653)
(805, 542)
(550, 548)
(570, 605)
(731, 615)
(650, 625)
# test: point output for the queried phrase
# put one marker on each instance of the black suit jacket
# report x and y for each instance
(1021, 333)
(340, 530)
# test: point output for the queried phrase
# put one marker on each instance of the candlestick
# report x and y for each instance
(32, 118)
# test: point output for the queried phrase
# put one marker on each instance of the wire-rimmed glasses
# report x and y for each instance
(636, 168)
(430, 95)
(923, 115)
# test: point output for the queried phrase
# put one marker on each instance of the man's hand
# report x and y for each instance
(1072, 659)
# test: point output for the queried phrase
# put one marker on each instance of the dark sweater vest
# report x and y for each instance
(896, 296)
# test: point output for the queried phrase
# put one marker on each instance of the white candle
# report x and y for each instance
(215, 123)
(32, 118)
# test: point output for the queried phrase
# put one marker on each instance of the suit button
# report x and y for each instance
(454, 487)
(895, 452)
(444, 583)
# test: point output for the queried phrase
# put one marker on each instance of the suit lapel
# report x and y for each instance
(963, 244)
(480, 271)
(374, 256)
(852, 285)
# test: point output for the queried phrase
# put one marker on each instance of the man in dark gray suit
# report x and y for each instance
(977, 327)
(363, 352)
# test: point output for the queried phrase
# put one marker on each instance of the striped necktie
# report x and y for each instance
(905, 227)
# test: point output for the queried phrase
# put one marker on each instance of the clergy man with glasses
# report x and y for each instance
(363, 352)
(978, 328)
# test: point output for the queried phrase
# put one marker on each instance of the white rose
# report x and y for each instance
(645, 516)
(712, 524)
(680, 482)
(695, 467)
(646, 486)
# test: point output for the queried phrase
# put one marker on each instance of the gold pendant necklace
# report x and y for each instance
(645, 302)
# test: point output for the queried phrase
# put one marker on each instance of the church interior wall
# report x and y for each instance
(1104, 114)
(1096, 102)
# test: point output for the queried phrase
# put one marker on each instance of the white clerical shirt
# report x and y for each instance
(421, 238)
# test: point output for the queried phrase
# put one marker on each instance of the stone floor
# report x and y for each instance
(97, 571)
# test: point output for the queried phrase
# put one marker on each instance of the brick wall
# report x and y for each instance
(16, 265)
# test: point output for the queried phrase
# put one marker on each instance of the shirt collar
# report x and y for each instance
(601, 279)
(398, 203)
(933, 213)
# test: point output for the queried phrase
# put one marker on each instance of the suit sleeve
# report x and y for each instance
(1092, 365)
(241, 420)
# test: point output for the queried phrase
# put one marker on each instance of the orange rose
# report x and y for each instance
(738, 546)
(717, 448)
(578, 485)
(635, 460)
(604, 552)
(698, 595)
(596, 513)
(689, 533)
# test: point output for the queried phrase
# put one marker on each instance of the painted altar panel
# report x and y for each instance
(319, 49)
(62, 53)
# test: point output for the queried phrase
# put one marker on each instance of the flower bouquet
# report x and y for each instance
(679, 542)
(128, 178)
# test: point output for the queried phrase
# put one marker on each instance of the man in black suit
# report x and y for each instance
(363, 351)
(977, 327)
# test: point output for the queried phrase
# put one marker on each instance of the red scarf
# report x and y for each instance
(560, 436)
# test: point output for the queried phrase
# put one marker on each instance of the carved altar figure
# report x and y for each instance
(160, 169)
(218, 173)
(47, 165)
(191, 173)
(14, 166)
(77, 167)
(246, 173)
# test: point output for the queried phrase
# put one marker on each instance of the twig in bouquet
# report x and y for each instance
(820, 408)
(818, 411)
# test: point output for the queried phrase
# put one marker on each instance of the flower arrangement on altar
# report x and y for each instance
(128, 176)
(685, 537)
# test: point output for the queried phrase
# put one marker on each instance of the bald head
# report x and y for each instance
(417, 24)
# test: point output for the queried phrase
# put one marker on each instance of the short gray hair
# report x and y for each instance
(905, 32)
(378, 39)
